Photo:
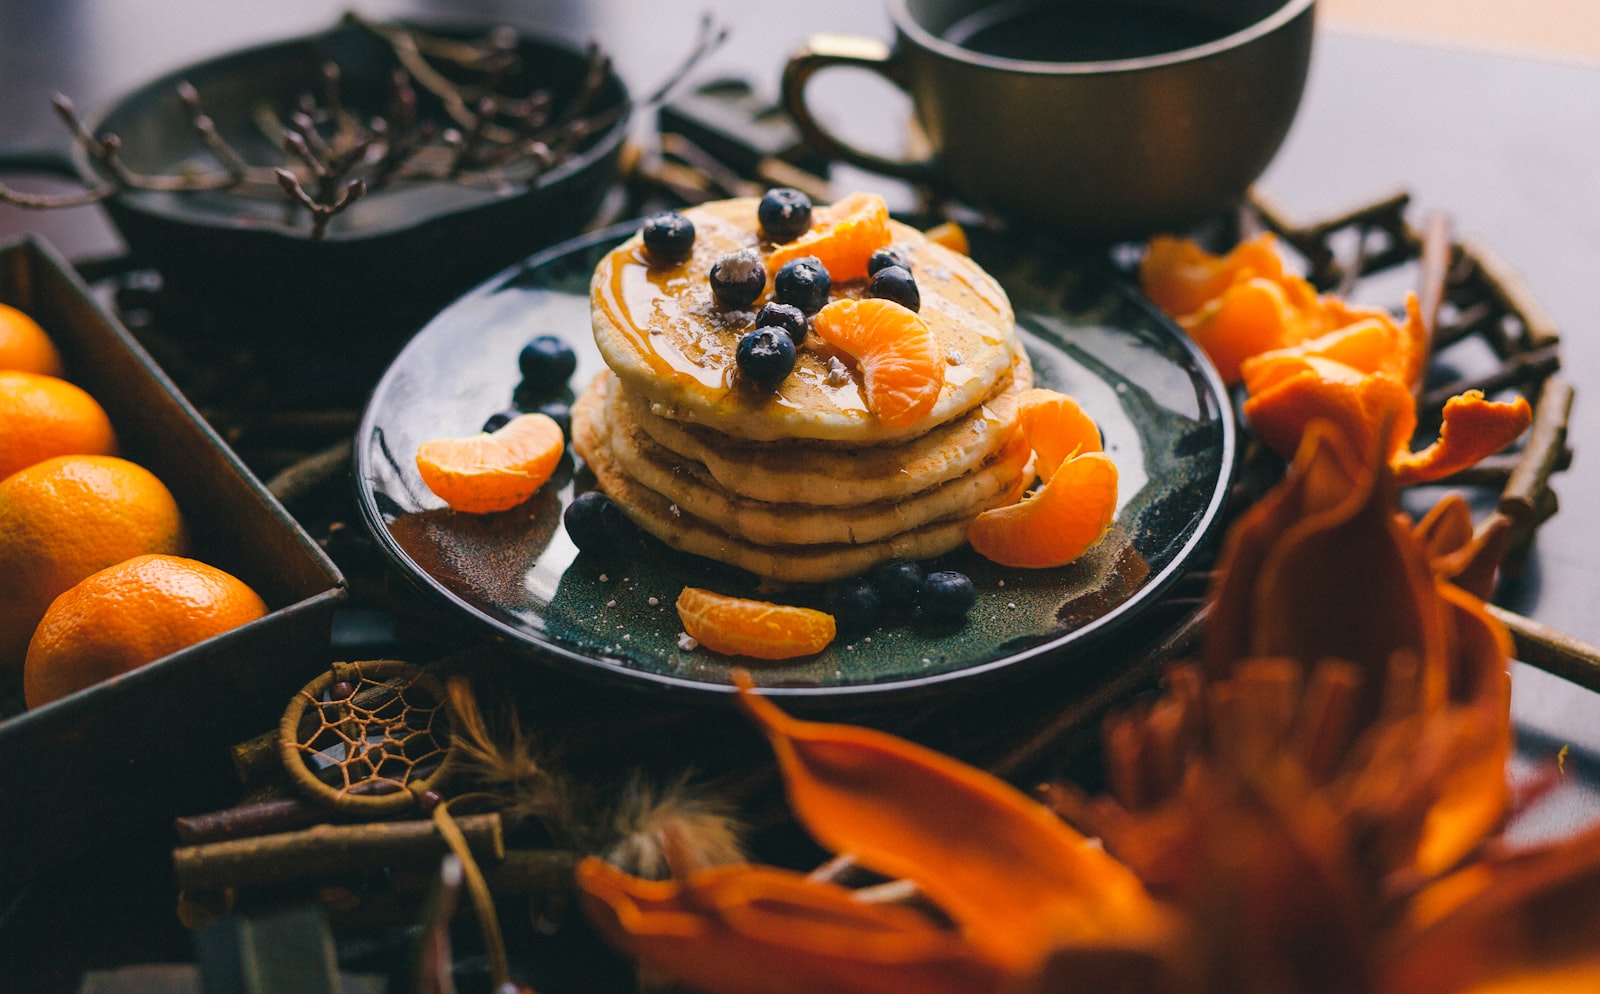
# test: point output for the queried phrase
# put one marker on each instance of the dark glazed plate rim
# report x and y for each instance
(1214, 399)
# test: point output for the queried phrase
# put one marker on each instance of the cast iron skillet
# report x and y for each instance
(396, 255)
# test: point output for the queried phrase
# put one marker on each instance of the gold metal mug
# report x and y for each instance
(1109, 148)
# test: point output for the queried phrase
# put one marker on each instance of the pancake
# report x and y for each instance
(830, 474)
(822, 563)
(691, 487)
(668, 340)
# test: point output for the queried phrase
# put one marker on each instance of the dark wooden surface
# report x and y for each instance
(1507, 146)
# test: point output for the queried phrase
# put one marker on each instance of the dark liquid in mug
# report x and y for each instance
(1082, 32)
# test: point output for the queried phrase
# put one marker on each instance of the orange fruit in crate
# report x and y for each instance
(496, 471)
(1064, 518)
(25, 346)
(843, 237)
(65, 518)
(128, 615)
(902, 363)
(739, 626)
(42, 416)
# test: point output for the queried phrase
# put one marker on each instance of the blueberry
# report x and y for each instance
(786, 316)
(594, 524)
(668, 237)
(738, 279)
(898, 285)
(560, 413)
(947, 595)
(854, 604)
(887, 257)
(899, 583)
(785, 214)
(547, 362)
(804, 283)
(766, 355)
(499, 420)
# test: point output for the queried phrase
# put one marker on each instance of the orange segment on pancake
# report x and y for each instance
(739, 626)
(902, 363)
(844, 237)
(493, 472)
(1062, 519)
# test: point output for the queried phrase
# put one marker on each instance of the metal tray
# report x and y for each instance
(134, 751)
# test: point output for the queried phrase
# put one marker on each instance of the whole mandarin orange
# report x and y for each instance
(65, 518)
(128, 615)
(25, 346)
(42, 416)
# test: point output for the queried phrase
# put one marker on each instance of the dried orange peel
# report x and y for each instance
(1073, 510)
(1302, 357)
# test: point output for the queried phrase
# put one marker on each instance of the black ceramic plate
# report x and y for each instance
(1158, 401)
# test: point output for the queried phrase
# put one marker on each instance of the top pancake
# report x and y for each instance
(667, 338)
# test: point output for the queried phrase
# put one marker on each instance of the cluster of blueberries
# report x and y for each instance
(898, 587)
(547, 363)
(800, 287)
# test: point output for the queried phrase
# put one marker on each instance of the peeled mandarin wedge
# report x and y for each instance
(127, 615)
(843, 237)
(42, 416)
(25, 346)
(496, 471)
(1056, 427)
(1180, 277)
(738, 626)
(951, 235)
(1056, 523)
(902, 363)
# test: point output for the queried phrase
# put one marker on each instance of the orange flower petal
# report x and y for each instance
(1472, 428)
(739, 929)
(1013, 877)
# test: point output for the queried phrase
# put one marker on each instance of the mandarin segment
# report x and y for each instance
(902, 363)
(128, 615)
(1180, 277)
(494, 471)
(1056, 427)
(1056, 523)
(65, 518)
(25, 346)
(739, 626)
(842, 236)
(43, 416)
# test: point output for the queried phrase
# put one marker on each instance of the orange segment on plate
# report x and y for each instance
(1056, 427)
(843, 237)
(130, 614)
(25, 346)
(738, 626)
(493, 472)
(42, 417)
(1056, 523)
(902, 363)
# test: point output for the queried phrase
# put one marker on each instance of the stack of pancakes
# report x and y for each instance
(798, 482)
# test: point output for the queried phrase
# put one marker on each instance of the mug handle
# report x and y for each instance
(818, 53)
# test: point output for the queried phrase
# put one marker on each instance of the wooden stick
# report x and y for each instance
(326, 849)
(1551, 650)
